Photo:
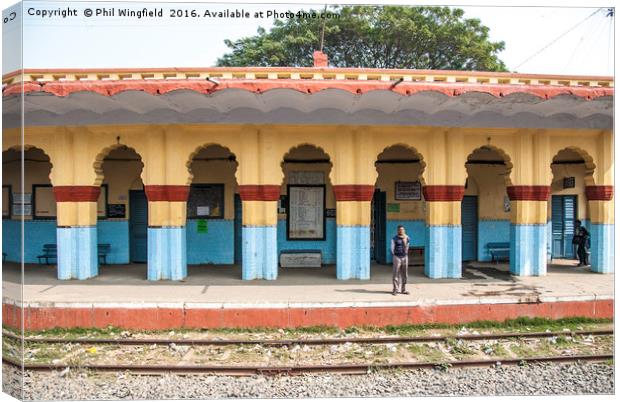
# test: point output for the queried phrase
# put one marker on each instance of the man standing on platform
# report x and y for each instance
(400, 261)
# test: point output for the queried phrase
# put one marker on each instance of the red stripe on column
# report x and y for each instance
(76, 193)
(528, 193)
(600, 193)
(259, 192)
(166, 192)
(443, 193)
(354, 192)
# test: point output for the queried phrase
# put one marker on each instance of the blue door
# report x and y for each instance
(138, 225)
(238, 222)
(378, 227)
(563, 216)
(469, 226)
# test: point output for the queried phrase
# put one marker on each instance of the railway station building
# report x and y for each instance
(270, 168)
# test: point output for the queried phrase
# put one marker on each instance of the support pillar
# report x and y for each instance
(76, 232)
(443, 251)
(353, 231)
(528, 229)
(601, 215)
(166, 246)
(259, 231)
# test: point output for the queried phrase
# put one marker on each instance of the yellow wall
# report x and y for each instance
(388, 175)
(166, 151)
(488, 183)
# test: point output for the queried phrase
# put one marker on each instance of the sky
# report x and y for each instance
(114, 41)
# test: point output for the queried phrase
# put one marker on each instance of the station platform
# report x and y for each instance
(216, 297)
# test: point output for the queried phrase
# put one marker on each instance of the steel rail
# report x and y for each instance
(306, 369)
(312, 341)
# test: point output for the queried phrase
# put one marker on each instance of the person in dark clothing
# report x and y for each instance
(582, 240)
(400, 258)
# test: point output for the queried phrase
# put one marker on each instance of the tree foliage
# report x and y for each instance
(438, 38)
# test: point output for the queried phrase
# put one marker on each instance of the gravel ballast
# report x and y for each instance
(535, 379)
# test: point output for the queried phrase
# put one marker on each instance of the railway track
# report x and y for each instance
(304, 369)
(315, 341)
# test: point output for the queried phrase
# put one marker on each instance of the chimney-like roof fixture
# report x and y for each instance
(320, 59)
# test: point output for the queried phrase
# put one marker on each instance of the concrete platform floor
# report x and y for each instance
(210, 285)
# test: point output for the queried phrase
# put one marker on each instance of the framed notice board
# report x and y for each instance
(306, 212)
(206, 201)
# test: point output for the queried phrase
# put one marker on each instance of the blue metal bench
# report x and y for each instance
(102, 252)
(50, 252)
(499, 250)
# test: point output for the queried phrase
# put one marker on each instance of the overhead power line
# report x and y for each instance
(558, 38)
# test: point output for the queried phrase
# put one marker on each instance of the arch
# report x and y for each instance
(202, 147)
(498, 151)
(299, 147)
(588, 161)
(408, 148)
(100, 158)
(28, 147)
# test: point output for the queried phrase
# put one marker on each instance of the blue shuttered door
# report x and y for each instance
(570, 214)
(563, 216)
(138, 224)
(469, 223)
(238, 222)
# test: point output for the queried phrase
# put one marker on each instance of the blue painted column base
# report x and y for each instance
(528, 250)
(166, 254)
(602, 248)
(77, 252)
(353, 252)
(442, 256)
(259, 253)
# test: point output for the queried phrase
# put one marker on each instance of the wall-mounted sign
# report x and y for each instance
(393, 207)
(282, 204)
(22, 198)
(116, 210)
(202, 226)
(22, 209)
(569, 182)
(306, 214)
(330, 213)
(408, 191)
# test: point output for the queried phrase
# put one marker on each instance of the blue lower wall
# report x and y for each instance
(491, 231)
(116, 234)
(602, 248)
(217, 246)
(530, 258)
(443, 254)
(166, 253)
(327, 246)
(259, 252)
(353, 260)
(415, 230)
(77, 252)
(36, 234)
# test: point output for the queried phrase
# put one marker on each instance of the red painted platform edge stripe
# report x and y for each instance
(353, 192)
(39, 318)
(76, 193)
(171, 193)
(599, 193)
(528, 193)
(443, 193)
